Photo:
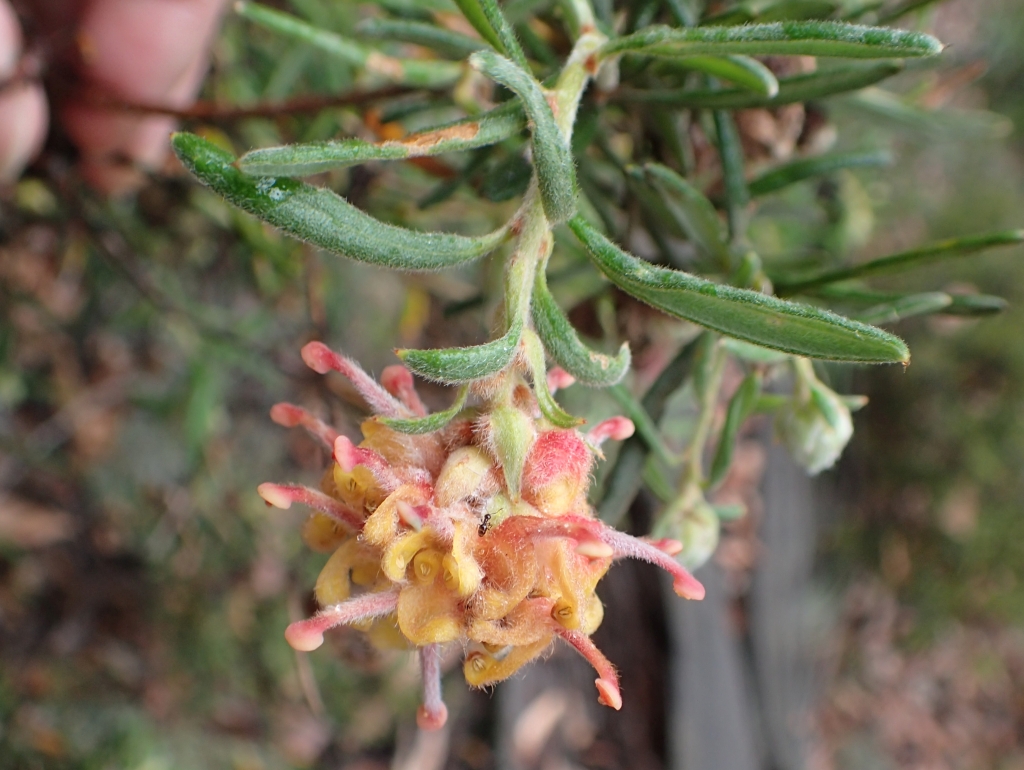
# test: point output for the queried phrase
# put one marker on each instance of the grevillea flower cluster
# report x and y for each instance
(477, 533)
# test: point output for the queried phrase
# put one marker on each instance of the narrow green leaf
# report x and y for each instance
(440, 39)
(945, 123)
(552, 156)
(552, 412)
(478, 20)
(909, 306)
(809, 168)
(797, 9)
(508, 178)
(694, 212)
(730, 151)
(743, 71)
(458, 365)
(324, 218)
(312, 158)
(799, 88)
(487, 19)
(907, 260)
(563, 344)
(755, 354)
(432, 422)
(416, 72)
(975, 305)
(625, 478)
(740, 406)
(804, 38)
(646, 427)
(747, 315)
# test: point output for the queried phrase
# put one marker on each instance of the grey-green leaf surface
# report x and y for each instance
(799, 88)
(440, 39)
(809, 168)
(325, 219)
(563, 344)
(804, 38)
(747, 315)
(975, 305)
(906, 260)
(552, 155)
(742, 71)
(691, 208)
(430, 423)
(459, 365)
(312, 158)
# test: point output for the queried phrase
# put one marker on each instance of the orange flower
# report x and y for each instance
(477, 533)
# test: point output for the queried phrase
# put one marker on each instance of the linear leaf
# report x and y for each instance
(565, 347)
(458, 365)
(907, 260)
(740, 406)
(545, 400)
(746, 315)
(743, 71)
(809, 168)
(909, 306)
(312, 158)
(415, 72)
(975, 305)
(805, 38)
(624, 479)
(797, 9)
(430, 423)
(552, 155)
(326, 219)
(440, 39)
(694, 212)
(799, 88)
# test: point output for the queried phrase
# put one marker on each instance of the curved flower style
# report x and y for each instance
(477, 533)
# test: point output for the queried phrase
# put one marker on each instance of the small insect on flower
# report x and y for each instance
(477, 533)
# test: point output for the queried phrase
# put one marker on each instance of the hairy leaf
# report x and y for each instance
(312, 158)
(552, 155)
(746, 315)
(564, 345)
(430, 423)
(743, 71)
(326, 219)
(799, 88)
(457, 365)
(804, 38)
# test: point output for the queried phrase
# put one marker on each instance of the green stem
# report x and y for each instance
(709, 386)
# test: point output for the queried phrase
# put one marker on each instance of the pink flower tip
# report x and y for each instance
(396, 378)
(286, 415)
(345, 453)
(275, 495)
(558, 379)
(688, 587)
(668, 545)
(318, 357)
(432, 719)
(608, 693)
(615, 428)
(303, 638)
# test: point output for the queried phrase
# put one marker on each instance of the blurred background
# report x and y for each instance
(871, 619)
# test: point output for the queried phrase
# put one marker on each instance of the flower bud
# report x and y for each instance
(693, 523)
(815, 430)
(511, 433)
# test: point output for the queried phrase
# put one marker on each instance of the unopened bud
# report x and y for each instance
(817, 430)
(512, 433)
